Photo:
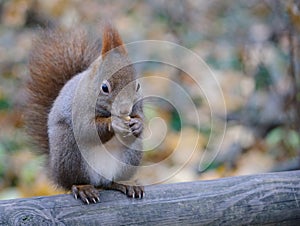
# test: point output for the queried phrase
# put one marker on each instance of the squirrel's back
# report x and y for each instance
(55, 58)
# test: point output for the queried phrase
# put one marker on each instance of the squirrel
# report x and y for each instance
(80, 86)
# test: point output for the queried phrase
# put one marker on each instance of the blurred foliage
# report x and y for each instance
(262, 77)
(250, 46)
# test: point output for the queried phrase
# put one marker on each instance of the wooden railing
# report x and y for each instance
(272, 198)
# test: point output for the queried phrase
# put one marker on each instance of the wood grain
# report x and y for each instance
(245, 200)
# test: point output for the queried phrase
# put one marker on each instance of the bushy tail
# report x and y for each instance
(55, 58)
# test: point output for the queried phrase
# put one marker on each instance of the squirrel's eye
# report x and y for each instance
(138, 86)
(105, 87)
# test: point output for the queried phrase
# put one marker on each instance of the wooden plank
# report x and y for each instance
(257, 199)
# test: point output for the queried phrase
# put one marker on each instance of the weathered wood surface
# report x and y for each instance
(258, 199)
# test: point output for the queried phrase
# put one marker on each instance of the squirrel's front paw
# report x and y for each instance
(87, 193)
(119, 126)
(136, 126)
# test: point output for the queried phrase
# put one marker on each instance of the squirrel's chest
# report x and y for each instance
(104, 161)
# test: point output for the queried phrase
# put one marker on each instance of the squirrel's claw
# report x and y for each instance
(136, 126)
(75, 191)
(132, 191)
(128, 134)
(87, 193)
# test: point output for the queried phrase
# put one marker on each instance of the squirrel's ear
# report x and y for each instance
(111, 39)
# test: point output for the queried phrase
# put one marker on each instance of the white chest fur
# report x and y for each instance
(103, 160)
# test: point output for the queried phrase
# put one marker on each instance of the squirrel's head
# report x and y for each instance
(118, 89)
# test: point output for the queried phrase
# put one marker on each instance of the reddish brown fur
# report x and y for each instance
(111, 40)
(55, 58)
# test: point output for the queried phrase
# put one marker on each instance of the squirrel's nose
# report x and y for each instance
(125, 109)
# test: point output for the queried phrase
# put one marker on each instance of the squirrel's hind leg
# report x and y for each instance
(132, 191)
(87, 193)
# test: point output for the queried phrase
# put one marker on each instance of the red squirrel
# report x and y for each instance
(59, 60)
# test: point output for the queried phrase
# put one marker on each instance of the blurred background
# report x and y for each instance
(251, 46)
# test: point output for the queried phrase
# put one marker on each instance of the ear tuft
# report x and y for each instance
(111, 39)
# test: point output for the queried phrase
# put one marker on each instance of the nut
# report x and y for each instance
(127, 118)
